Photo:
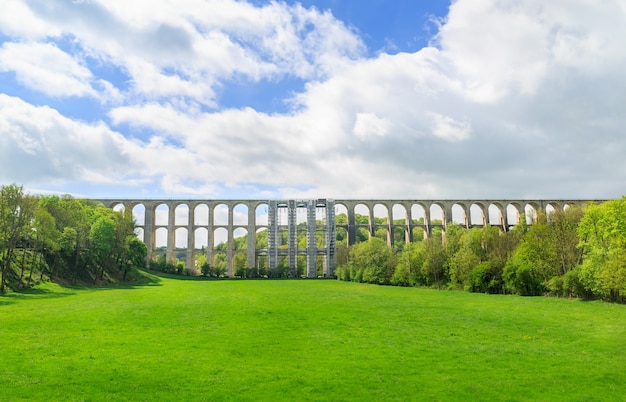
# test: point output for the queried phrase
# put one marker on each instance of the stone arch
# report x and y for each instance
(220, 214)
(419, 221)
(220, 238)
(459, 214)
(181, 214)
(139, 214)
(418, 214)
(362, 225)
(201, 215)
(478, 214)
(401, 233)
(497, 215)
(161, 235)
(261, 240)
(140, 233)
(341, 224)
(531, 209)
(437, 213)
(514, 213)
(549, 210)
(161, 214)
(379, 218)
(240, 214)
(261, 214)
(201, 236)
(181, 238)
(240, 248)
(381, 212)
(240, 232)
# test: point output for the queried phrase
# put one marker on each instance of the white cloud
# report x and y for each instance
(449, 129)
(513, 99)
(39, 145)
(174, 49)
(13, 17)
(368, 124)
(45, 68)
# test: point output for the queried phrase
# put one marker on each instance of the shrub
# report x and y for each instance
(521, 279)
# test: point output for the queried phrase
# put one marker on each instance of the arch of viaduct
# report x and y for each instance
(282, 216)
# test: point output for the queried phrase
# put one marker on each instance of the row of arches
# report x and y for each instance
(220, 225)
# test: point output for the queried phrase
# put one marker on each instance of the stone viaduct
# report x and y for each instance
(195, 225)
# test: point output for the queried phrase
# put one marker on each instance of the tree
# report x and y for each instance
(16, 212)
(102, 238)
(535, 261)
(434, 269)
(374, 259)
(46, 237)
(137, 253)
(602, 232)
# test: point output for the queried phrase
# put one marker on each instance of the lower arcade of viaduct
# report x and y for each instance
(222, 221)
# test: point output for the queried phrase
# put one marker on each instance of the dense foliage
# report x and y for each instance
(65, 239)
(575, 252)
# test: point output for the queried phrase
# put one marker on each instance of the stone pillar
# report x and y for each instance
(251, 252)
(504, 220)
(149, 231)
(466, 220)
(427, 223)
(485, 214)
(351, 225)
(171, 234)
(390, 239)
(447, 219)
(372, 222)
(191, 239)
(408, 232)
(210, 235)
(230, 245)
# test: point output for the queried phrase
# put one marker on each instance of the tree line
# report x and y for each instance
(64, 239)
(575, 252)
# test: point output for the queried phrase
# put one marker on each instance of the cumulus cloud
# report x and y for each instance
(44, 67)
(511, 99)
(170, 49)
(40, 145)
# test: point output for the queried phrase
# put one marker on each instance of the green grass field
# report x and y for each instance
(306, 340)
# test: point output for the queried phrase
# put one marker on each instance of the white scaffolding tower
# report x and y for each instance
(326, 225)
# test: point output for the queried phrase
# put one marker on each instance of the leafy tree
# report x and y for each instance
(434, 269)
(16, 212)
(602, 232)
(137, 253)
(102, 238)
(408, 269)
(375, 261)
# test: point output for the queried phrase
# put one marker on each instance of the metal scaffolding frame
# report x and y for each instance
(327, 225)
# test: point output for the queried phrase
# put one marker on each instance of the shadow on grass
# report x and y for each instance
(140, 279)
(35, 293)
(57, 290)
(179, 277)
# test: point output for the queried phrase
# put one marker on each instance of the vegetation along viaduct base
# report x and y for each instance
(222, 221)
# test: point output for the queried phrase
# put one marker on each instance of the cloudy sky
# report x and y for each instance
(317, 98)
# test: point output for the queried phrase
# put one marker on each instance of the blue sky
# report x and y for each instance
(333, 99)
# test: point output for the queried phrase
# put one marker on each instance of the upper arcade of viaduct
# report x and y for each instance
(204, 218)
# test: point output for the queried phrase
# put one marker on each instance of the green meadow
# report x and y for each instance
(301, 340)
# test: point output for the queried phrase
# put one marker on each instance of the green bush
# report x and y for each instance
(521, 279)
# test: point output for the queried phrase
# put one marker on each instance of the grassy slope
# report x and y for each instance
(306, 340)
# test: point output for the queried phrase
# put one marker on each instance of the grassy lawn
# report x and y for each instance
(306, 340)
